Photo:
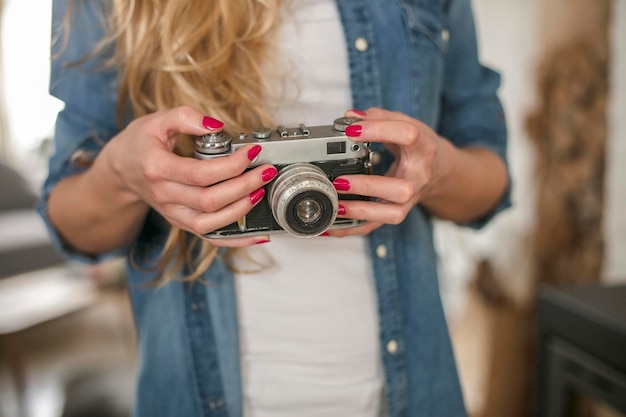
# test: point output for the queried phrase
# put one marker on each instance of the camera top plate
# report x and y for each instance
(283, 146)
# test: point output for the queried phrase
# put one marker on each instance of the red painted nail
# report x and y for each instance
(341, 184)
(268, 174)
(257, 195)
(260, 242)
(341, 210)
(354, 130)
(211, 123)
(254, 152)
(324, 234)
(359, 112)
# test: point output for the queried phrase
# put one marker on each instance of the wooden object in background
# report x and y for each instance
(569, 131)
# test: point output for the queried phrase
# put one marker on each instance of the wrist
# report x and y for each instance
(442, 171)
(107, 175)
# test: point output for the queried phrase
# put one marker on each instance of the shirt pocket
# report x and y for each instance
(427, 48)
(425, 20)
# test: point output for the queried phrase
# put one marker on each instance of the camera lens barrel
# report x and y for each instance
(303, 200)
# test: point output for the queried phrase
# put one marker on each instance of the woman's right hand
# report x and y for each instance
(198, 196)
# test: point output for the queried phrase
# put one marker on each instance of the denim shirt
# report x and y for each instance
(418, 57)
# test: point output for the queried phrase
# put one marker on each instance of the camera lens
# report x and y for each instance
(303, 200)
(308, 211)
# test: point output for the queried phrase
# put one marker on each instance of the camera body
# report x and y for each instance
(301, 199)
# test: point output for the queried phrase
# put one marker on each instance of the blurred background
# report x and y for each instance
(536, 302)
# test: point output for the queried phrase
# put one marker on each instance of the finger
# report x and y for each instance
(240, 242)
(201, 223)
(184, 119)
(376, 113)
(375, 211)
(396, 132)
(216, 197)
(191, 171)
(395, 190)
(361, 230)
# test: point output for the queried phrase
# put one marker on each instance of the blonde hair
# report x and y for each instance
(208, 54)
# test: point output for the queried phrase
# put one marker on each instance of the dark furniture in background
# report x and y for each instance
(24, 243)
(36, 285)
(581, 349)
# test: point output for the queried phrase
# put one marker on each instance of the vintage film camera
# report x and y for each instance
(301, 200)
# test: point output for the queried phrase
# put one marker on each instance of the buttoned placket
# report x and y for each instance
(203, 351)
(366, 92)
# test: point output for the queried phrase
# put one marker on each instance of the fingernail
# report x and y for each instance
(257, 195)
(354, 130)
(268, 174)
(341, 184)
(359, 112)
(324, 234)
(254, 152)
(260, 242)
(341, 210)
(211, 123)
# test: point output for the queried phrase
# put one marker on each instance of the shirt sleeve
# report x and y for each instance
(472, 114)
(88, 89)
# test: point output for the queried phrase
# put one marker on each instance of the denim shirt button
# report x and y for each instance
(216, 404)
(361, 44)
(381, 251)
(445, 35)
(392, 347)
(375, 158)
(197, 306)
(82, 158)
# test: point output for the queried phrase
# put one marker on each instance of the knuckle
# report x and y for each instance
(238, 164)
(150, 172)
(397, 114)
(413, 133)
(185, 112)
(370, 227)
(371, 110)
(235, 164)
(405, 191)
(397, 215)
(252, 181)
(208, 202)
(197, 226)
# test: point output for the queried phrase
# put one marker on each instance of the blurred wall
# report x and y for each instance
(30, 110)
(508, 43)
(615, 221)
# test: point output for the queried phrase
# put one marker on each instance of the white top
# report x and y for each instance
(309, 324)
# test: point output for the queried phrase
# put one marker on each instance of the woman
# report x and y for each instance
(350, 326)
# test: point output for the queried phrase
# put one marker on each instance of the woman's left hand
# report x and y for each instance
(420, 162)
(457, 184)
